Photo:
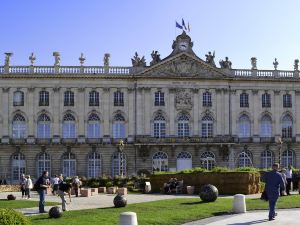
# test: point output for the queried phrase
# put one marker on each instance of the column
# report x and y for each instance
(139, 111)
(297, 112)
(255, 113)
(217, 103)
(5, 111)
(148, 99)
(171, 109)
(131, 111)
(195, 116)
(106, 112)
(277, 113)
(30, 108)
(55, 102)
(79, 105)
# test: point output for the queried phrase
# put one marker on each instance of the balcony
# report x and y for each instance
(68, 140)
(245, 139)
(94, 140)
(267, 139)
(43, 141)
(18, 141)
(180, 140)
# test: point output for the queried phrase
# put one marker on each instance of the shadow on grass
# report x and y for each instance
(193, 203)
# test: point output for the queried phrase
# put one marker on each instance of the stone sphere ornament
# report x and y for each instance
(11, 197)
(55, 212)
(209, 193)
(120, 201)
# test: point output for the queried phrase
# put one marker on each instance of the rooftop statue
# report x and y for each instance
(225, 64)
(155, 58)
(210, 58)
(275, 63)
(253, 63)
(296, 64)
(81, 59)
(7, 58)
(106, 59)
(137, 61)
(56, 58)
(32, 59)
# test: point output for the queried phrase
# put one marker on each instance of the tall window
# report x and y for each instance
(287, 127)
(119, 126)
(244, 126)
(69, 98)
(266, 100)
(69, 126)
(207, 160)
(287, 158)
(184, 161)
(159, 98)
(19, 126)
(94, 165)
(245, 159)
(266, 126)
(69, 164)
(18, 166)
(94, 98)
(266, 159)
(43, 163)
(94, 126)
(244, 100)
(160, 162)
(206, 99)
(43, 126)
(207, 127)
(159, 127)
(18, 99)
(44, 98)
(119, 164)
(183, 126)
(287, 101)
(118, 98)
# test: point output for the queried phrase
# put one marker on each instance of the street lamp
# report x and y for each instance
(280, 148)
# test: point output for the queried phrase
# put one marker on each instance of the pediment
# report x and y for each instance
(183, 65)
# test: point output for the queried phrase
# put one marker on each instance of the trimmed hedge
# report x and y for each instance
(12, 217)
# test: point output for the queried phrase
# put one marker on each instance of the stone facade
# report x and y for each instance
(178, 113)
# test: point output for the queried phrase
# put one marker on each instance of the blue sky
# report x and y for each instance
(238, 29)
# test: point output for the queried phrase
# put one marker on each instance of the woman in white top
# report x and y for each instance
(28, 186)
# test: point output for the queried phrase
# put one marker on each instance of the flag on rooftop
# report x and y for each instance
(178, 25)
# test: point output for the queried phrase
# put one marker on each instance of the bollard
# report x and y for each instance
(239, 204)
(128, 218)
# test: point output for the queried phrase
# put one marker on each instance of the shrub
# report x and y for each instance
(109, 184)
(12, 217)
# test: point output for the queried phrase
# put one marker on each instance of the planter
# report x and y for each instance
(190, 190)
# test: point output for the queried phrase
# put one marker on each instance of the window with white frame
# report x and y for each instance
(160, 162)
(18, 99)
(207, 127)
(206, 99)
(287, 158)
(183, 128)
(119, 126)
(44, 98)
(19, 126)
(69, 126)
(94, 98)
(43, 163)
(94, 164)
(267, 159)
(118, 98)
(159, 126)
(244, 127)
(43, 126)
(184, 161)
(18, 166)
(119, 164)
(93, 126)
(244, 100)
(287, 101)
(266, 126)
(266, 100)
(159, 98)
(245, 159)
(69, 164)
(207, 160)
(287, 127)
(69, 98)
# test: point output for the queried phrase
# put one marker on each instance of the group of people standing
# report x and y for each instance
(26, 186)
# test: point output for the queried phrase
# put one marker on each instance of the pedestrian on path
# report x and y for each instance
(28, 186)
(55, 182)
(289, 175)
(76, 185)
(41, 186)
(63, 189)
(22, 185)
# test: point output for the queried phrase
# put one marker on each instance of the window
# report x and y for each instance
(184, 161)
(94, 126)
(287, 101)
(244, 102)
(244, 126)
(287, 158)
(44, 98)
(69, 164)
(69, 98)
(43, 126)
(159, 127)
(287, 127)
(244, 159)
(207, 160)
(118, 98)
(94, 165)
(183, 126)
(207, 127)
(159, 99)
(266, 159)
(119, 127)
(19, 126)
(94, 98)
(43, 163)
(69, 126)
(18, 99)
(206, 99)
(18, 166)
(118, 164)
(160, 162)
(266, 100)
(266, 126)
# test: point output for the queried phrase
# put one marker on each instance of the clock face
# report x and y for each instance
(183, 46)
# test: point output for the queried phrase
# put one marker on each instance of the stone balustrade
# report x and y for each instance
(244, 73)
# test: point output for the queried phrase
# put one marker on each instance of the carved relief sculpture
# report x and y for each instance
(183, 99)
(137, 61)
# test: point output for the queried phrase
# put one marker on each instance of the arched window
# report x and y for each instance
(267, 159)
(245, 127)
(287, 158)
(94, 126)
(207, 160)
(206, 99)
(245, 159)
(266, 126)
(287, 126)
(118, 164)
(18, 166)
(19, 126)
(43, 163)
(159, 126)
(94, 165)
(183, 126)
(69, 164)
(43, 126)
(18, 99)
(119, 127)
(69, 126)
(207, 127)
(160, 162)
(184, 161)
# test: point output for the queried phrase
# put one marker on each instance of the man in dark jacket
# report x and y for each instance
(41, 185)
(274, 183)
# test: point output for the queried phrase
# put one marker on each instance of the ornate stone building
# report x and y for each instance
(180, 112)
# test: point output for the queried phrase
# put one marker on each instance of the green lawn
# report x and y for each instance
(17, 204)
(167, 212)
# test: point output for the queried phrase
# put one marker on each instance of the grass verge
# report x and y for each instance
(18, 204)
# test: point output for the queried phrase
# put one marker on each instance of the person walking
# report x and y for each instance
(282, 173)
(28, 186)
(22, 185)
(55, 182)
(289, 175)
(274, 182)
(64, 188)
(41, 185)
(76, 184)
